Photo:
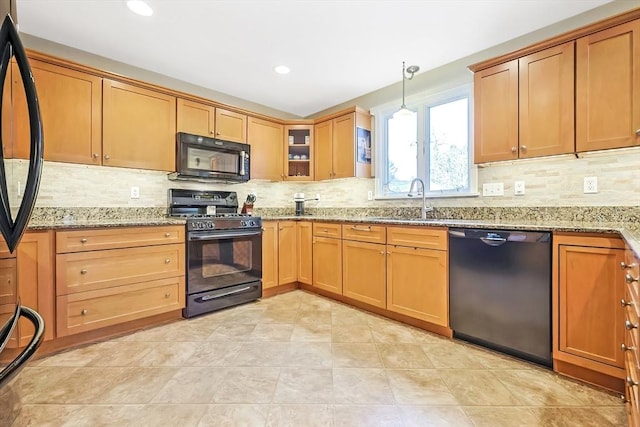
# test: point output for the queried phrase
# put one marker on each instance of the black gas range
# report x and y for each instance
(224, 250)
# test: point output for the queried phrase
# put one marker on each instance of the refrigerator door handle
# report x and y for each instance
(18, 363)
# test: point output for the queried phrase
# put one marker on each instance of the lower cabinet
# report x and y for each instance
(304, 246)
(630, 303)
(417, 278)
(327, 257)
(279, 264)
(588, 288)
(269, 254)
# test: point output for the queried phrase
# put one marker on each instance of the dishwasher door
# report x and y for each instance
(500, 290)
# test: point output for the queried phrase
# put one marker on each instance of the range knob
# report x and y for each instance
(210, 224)
(252, 223)
(244, 223)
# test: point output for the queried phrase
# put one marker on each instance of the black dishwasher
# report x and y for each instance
(500, 291)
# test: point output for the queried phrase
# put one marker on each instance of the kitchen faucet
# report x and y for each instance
(425, 209)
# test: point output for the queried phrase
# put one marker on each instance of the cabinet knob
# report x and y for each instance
(167, 234)
(167, 295)
(217, 133)
(523, 148)
(95, 155)
(625, 303)
(107, 157)
(211, 132)
(514, 150)
(167, 261)
(630, 382)
(84, 312)
(637, 132)
(83, 240)
(381, 252)
(83, 271)
(624, 347)
(629, 326)
(625, 266)
(623, 398)
(629, 278)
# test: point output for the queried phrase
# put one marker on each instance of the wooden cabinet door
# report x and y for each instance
(287, 265)
(195, 118)
(265, 139)
(34, 261)
(269, 254)
(304, 246)
(71, 109)
(323, 150)
(591, 319)
(344, 146)
(139, 127)
(417, 283)
(496, 113)
(327, 264)
(231, 126)
(608, 88)
(547, 102)
(364, 272)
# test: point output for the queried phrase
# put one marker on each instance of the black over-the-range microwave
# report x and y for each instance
(200, 157)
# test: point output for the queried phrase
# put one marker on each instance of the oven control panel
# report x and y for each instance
(223, 223)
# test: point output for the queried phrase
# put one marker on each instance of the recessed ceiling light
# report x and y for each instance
(140, 7)
(281, 69)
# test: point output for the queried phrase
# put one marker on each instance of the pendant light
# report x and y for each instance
(411, 70)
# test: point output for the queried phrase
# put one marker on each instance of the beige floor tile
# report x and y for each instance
(247, 385)
(82, 356)
(251, 316)
(403, 356)
(48, 416)
(392, 333)
(232, 332)
(279, 316)
(568, 417)
(214, 353)
(135, 385)
(271, 332)
(477, 387)
(300, 415)
(367, 416)
(317, 332)
(419, 387)
(535, 388)
(313, 317)
(168, 354)
(490, 359)
(155, 415)
(358, 355)
(450, 355)
(128, 354)
(190, 385)
(349, 316)
(234, 415)
(304, 385)
(361, 385)
(305, 354)
(615, 414)
(259, 354)
(182, 330)
(434, 416)
(351, 333)
(492, 416)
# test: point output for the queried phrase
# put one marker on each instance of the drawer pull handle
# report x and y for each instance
(513, 150)
(629, 326)
(625, 266)
(95, 155)
(167, 295)
(631, 382)
(83, 271)
(107, 157)
(167, 234)
(629, 278)
(167, 261)
(356, 228)
(325, 231)
(83, 240)
(84, 312)
(624, 347)
(637, 132)
(625, 303)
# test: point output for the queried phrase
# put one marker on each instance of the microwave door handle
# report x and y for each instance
(225, 235)
(242, 171)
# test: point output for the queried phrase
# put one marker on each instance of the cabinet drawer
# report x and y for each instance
(8, 286)
(85, 311)
(4, 250)
(419, 237)
(327, 229)
(364, 233)
(632, 273)
(86, 271)
(113, 238)
(632, 378)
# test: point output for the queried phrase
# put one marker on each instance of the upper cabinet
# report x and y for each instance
(577, 92)
(299, 153)
(524, 107)
(139, 129)
(206, 120)
(265, 138)
(71, 108)
(608, 88)
(336, 146)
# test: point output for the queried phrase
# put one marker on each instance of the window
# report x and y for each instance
(432, 142)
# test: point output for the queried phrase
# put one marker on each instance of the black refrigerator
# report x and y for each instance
(13, 220)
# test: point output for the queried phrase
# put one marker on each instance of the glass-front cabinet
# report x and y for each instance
(298, 152)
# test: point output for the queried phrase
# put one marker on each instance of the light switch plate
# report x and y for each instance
(493, 189)
(518, 188)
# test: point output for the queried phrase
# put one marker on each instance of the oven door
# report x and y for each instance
(219, 259)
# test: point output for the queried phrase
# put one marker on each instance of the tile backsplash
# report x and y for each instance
(553, 181)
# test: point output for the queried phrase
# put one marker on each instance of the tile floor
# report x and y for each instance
(298, 359)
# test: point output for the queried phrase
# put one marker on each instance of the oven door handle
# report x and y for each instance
(236, 291)
(226, 235)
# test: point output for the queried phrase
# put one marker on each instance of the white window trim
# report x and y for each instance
(418, 103)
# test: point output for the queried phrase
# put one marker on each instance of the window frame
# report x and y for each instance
(420, 103)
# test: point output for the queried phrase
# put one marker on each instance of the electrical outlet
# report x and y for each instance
(369, 195)
(317, 196)
(518, 188)
(590, 184)
(493, 189)
(135, 192)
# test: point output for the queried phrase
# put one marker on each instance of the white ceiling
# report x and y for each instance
(337, 49)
